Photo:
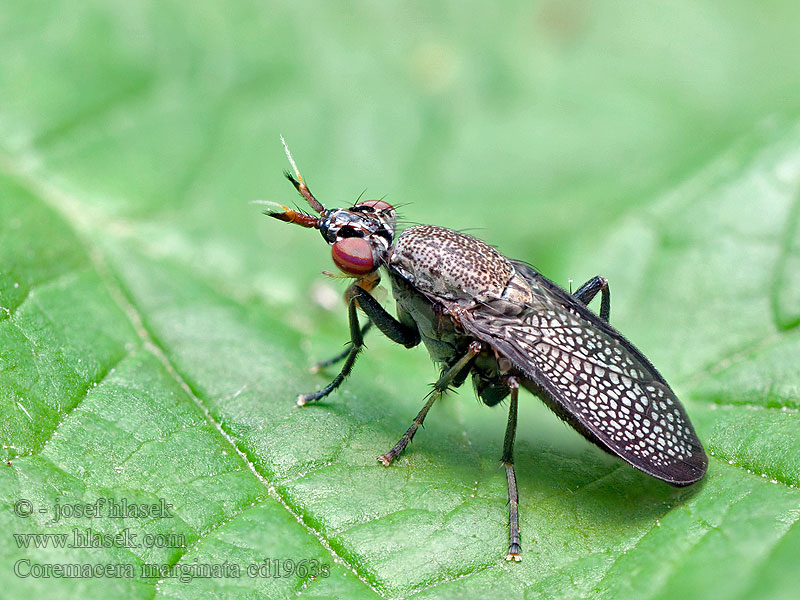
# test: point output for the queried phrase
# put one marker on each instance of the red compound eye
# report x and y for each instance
(353, 256)
(377, 205)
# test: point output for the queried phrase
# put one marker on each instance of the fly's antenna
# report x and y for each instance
(299, 184)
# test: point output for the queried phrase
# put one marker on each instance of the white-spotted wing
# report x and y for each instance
(595, 379)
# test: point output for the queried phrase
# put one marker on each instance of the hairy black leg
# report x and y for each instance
(589, 290)
(396, 331)
(438, 389)
(341, 356)
(393, 329)
(357, 342)
(511, 476)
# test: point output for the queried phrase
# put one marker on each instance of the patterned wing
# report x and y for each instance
(595, 379)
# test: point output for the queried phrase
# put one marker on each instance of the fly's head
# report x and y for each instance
(360, 236)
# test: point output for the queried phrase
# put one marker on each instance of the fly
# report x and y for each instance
(507, 326)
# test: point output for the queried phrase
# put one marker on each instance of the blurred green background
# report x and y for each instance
(155, 328)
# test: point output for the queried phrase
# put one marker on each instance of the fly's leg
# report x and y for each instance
(393, 329)
(357, 342)
(341, 356)
(438, 389)
(589, 290)
(508, 462)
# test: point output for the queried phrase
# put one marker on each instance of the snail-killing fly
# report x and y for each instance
(507, 326)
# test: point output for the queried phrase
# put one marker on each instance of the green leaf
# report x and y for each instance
(155, 328)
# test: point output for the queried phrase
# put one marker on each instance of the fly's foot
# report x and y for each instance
(386, 459)
(304, 399)
(513, 553)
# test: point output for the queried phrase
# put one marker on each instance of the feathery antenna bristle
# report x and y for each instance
(299, 183)
(291, 160)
